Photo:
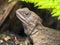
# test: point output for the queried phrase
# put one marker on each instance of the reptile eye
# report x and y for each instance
(27, 13)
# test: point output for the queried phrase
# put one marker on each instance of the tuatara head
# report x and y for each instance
(28, 18)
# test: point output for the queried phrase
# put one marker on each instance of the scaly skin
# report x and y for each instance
(33, 27)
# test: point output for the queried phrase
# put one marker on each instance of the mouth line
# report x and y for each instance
(21, 18)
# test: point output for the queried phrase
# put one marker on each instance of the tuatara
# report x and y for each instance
(33, 27)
